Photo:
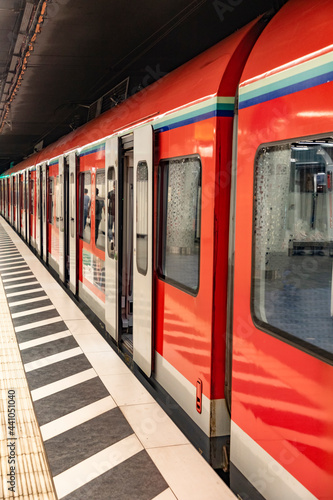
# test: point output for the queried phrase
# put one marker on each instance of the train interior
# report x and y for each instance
(294, 240)
(126, 213)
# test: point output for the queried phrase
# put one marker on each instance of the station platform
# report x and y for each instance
(75, 422)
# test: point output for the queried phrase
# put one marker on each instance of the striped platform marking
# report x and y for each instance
(12, 296)
(36, 324)
(30, 304)
(43, 340)
(60, 385)
(50, 360)
(86, 471)
(76, 417)
(80, 422)
(34, 309)
(307, 74)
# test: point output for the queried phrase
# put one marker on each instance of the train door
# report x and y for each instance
(112, 240)
(142, 248)
(66, 220)
(16, 202)
(12, 200)
(29, 206)
(7, 198)
(72, 245)
(39, 232)
(44, 214)
(20, 203)
(62, 216)
(128, 256)
(63, 203)
(24, 206)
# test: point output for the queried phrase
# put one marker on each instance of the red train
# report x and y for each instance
(196, 221)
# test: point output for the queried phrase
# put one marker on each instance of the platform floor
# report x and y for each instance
(99, 430)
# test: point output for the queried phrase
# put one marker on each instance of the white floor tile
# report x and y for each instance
(50, 360)
(77, 417)
(153, 426)
(62, 384)
(107, 363)
(98, 464)
(92, 342)
(166, 495)
(126, 389)
(80, 326)
(188, 474)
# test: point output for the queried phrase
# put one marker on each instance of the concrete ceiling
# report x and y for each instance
(57, 57)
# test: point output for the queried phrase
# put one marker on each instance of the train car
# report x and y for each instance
(195, 221)
(282, 385)
(132, 212)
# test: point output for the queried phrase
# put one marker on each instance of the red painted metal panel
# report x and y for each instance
(282, 396)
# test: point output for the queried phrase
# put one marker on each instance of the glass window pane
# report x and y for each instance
(72, 202)
(293, 241)
(142, 217)
(57, 200)
(86, 206)
(51, 199)
(100, 210)
(111, 212)
(179, 220)
(32, 190)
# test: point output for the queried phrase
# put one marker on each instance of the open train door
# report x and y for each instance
(142, 248)
(61, 204)
(44, 214)
(112, 238)
(72, 229)
(39, 233)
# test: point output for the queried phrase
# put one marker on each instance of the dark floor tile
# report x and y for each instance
(71, 399)
(41, 331)
(48, 349)
(77, 444)
(32, 318)
(57, 371)
(134, 479)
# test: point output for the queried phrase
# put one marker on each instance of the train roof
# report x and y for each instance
(215, 72)
(291, 37)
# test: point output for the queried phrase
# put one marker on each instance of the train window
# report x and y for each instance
(57, 199)
(142, 217)
(100, 210)
(62, 226)
(51, 200)
(72, 202)
(111, 212)
(14, 191)
(85, 212)
(179, 222)
(292, 293)
(32, 196)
